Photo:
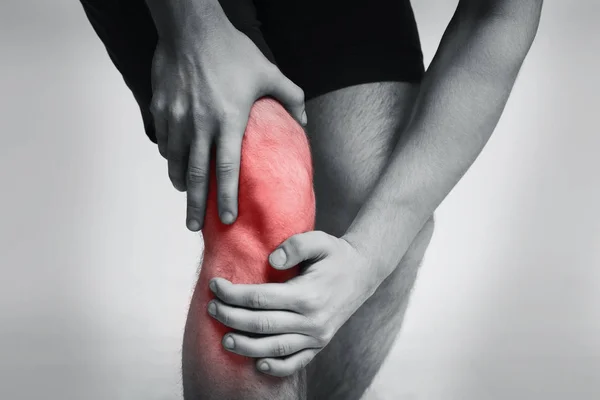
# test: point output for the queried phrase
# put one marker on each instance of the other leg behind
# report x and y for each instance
(353, 132)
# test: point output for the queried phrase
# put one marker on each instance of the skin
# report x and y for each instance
(345, 367)
(206, 75)
(276, 201)
(385, 157)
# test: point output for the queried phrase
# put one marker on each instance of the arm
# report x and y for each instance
(461, 100)
(174, 19)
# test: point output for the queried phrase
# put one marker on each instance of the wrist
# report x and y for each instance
(379, 267)
(382, 234)
(179, 21)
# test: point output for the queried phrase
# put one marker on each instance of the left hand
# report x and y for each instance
(297, 318)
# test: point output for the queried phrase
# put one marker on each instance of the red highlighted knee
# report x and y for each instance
(276, 201)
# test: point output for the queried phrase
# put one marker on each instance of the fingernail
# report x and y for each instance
(212, 309)
(193, 225)
(213, 286)
(264, 366)
(227, 217)
(278, 258)
(304, 118)
(229, 342)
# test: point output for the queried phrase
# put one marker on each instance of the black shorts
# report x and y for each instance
(321, 45)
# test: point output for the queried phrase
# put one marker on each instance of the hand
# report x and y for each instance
(204, 85)
(298, 318)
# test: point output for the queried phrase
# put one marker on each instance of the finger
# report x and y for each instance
(290, 95)
(286, 366)
(157, 68)
(268, 346)
(260, 322)
(157, 109)
(229, 151)
(197, 181)
(178, 150)
(163, 148)
(266, 296)
(308, 246)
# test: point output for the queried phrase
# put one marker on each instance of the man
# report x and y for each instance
(389, 142)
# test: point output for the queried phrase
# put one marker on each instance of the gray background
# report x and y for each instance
(98, 268)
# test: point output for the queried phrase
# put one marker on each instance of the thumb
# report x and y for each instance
(313, 245)
(290, 95)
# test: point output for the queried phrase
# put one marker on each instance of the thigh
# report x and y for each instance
(352, 133)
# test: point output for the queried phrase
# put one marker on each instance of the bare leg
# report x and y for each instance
(352, 133)
(276, 201)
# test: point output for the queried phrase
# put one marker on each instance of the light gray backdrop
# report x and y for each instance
(98, 268)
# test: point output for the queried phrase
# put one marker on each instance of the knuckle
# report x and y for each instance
(201, 116)
(323, 334)
(310, 302)
(322, 236)
(313, 325)
(261, 325)
(157, 106)
(177, 111)
(281, 349)
(324, 337)
(296, 245)
(197, 175)
(224, 317)
(226, 198)
(226, 169)
(195, 208)
(257, 300)
(266, 325)
(228, 113)
(176, 157)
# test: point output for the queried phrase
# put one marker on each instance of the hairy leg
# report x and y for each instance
(352, 133)
(276, 201)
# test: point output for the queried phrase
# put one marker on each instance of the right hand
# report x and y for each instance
(204, 86)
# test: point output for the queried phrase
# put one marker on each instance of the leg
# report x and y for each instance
(276, 201)
(352, 133)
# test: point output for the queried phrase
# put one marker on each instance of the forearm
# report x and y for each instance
(462, 97)
(174, 18)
